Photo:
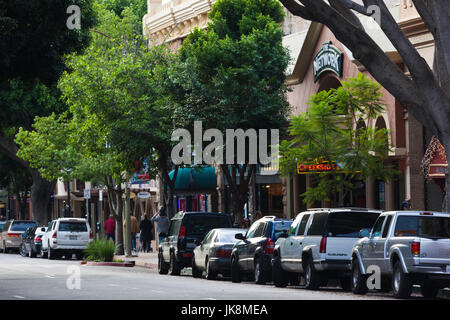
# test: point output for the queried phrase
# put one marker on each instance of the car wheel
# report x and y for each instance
(32, 253)
(345, 283)
(22, 250)
(236, 276)
(50, 253)
(174, 269)
(260, 274)
(401, 282)
(163, 268)
(43, 254)
(5, 249)
(279, 276)
(429, 289)
(210, 273)
(196, 272)
(358, 283)
(312, 279)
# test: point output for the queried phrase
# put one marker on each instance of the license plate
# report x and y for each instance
(448, 269)
(72, 237)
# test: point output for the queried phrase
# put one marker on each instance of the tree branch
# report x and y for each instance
(344, 8)
(10, 149)
(425, 13)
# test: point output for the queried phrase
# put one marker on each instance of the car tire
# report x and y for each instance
(279, 276)
(429, 290)
(33, 253)
(259, 273)
(210, 273)
(174, 268)
(358, 280)
(401, 283)
(5, 249)
(236, 275)
(312, 278)
(51, 255)
(345, 282)
(79, 256)
(163, 267)
(196, 272)
(386, 285)
(22, 250)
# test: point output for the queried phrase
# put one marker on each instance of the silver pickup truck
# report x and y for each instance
(406, 248)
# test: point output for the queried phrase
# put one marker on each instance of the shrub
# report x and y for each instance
(100, 250)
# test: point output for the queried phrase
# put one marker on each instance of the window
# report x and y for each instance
(22, 225)
(227, 236)
(406, 226)
(376, 231)
(174, 227)
(348, 224)
(198, 225)
(303, 223)
(208, 237)
(73, 226)
(318, 224)
(252, 230)
(259, 232)
(279, 227)
(294, 225)
(386, 226)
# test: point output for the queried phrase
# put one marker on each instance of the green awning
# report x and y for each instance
(195, 178)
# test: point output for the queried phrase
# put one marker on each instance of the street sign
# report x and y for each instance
(87, 194)
(100, 195)
(143, 195)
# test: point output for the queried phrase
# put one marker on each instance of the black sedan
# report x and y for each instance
(213, 254)
(31, 241)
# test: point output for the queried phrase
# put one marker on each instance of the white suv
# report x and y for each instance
(66, 236)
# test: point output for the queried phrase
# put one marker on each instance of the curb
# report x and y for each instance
(444, 293)
(109, 264)
(147, 265)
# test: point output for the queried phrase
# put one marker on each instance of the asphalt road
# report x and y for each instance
(30, 279)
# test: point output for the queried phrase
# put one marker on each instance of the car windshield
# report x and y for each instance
(423, 226)
(280, 227)
(228, 235)
(200, 225)
(349, 224)
(73, 226)
(22, 225)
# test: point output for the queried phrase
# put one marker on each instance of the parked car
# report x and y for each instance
(65, 237)
(13, 229)
(213, 253)
(408, 247)
(252, 254)
(175, 251)
(31, 241)
(319, 246)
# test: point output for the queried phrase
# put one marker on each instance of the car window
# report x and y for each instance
(294, 225)
(348, 224)
(433, 227)
(303, 223)
(22, 225)
(386, 226)
(199, 225)
(228, 236)
(280, 227)
(376, 230)
(259, 232)
(174, 227)
(72, 226)
(252, 229)
(208, 237)
(318, 224)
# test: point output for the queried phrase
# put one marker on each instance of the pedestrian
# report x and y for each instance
(134, 229)
(110, 228)
(163, 223)
(146, 233)
(406, 204)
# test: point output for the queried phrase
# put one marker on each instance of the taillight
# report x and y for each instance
(182, 232)
(270, 245)
(415, 248)
(13, 235)
(323, 245)
(54, 235)
(222, 253)
(38, 239)
(91, 235)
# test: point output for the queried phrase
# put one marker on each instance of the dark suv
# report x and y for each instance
(185, 230)
(253, 253)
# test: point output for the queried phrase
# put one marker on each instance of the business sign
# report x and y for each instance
(329, 58)
(144, 195)
(318, 166)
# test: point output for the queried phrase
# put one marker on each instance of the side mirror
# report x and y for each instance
(239, 236)
(43, 229)
(364, 233)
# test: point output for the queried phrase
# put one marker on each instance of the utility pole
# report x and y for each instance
(127, 229)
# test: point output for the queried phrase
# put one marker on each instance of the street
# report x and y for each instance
(28, 279)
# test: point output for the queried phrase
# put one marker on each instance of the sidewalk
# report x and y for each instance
(144, 259)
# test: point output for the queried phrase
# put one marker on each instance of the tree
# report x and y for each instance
(33, 40)
(328, 139)
(425, 92)
(232, 76)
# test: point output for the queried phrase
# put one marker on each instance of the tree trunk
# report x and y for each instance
(41, 191)
(446, 143)
(119, 235)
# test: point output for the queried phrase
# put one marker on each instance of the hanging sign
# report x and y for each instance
(329, 58)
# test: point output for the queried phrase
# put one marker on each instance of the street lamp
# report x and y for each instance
(67, 172)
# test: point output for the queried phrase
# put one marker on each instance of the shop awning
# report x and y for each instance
(434, 163)
(195, 179)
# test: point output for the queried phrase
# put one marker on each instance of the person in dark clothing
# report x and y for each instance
(146, 236)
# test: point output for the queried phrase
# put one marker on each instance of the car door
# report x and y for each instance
(254, 242)
(371, 248)
(297, 244)
(241, 246)
(286, 244)
(204, 249)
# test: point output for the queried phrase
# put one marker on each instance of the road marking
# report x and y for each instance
(50, 276)
(114, 285)
(19, 297)
(157, 291)
(210, 299)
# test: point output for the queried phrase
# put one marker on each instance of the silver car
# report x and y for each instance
(213, 254)
(10, 237)
(406, 248)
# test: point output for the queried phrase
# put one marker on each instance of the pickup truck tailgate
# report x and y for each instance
(340, 248)
(435, 251)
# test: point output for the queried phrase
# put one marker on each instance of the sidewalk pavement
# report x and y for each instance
(143, 259)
